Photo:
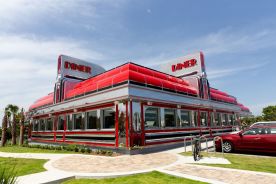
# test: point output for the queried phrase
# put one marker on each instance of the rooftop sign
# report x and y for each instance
(189, 65)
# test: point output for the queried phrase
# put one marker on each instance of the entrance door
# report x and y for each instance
(136, 129)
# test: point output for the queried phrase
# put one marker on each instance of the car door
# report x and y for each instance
(269, 140)
(251, 140)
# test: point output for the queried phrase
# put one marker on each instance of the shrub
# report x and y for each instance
(71, 147)
(82, 149)
(109, 153)
(98, 151)
(103, 152)
(87, 150)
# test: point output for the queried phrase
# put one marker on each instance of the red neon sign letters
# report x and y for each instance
(74, 66)
(183, 65)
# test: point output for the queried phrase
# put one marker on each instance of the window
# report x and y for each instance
(224, 119)
(195, 119)
(136, 116)
(35, 125)
(203, 119)
(69, 122)
(61, 121)
(151, 117)
(92, 120)
(252, 131)
(78, 121)
(217, 119)
(108, 118)
(49, 124)
(169, 117)
(231, 119)
(41, 125)
(185, 118)
(272, 131)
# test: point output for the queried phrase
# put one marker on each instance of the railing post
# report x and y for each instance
(221, 142)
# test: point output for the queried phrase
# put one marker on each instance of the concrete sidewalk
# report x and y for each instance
(61, 167)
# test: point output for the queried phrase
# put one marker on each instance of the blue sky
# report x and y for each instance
(238, 39)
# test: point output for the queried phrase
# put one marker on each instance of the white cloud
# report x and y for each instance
(222, 72)
(28, 66)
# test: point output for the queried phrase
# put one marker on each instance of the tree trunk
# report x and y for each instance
(13, 132)
(21, 137)
(4, 130)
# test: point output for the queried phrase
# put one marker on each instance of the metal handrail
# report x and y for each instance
(191, 139)
(206, 140)
(221, 141)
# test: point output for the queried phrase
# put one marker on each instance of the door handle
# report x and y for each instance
(258, 138)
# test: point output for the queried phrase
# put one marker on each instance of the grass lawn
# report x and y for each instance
(244, 162)
(20, 149)
(22, 166)
(147, 178)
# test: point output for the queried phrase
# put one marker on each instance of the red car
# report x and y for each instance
(256, 139)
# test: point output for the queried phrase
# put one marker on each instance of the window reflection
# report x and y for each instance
(92, 120)
(151, 117)
(108, 118)
(185, 118)
(61, 121)
(69, 122)
(78, 121)
(203, 119)
(41, 125)
(136, 116)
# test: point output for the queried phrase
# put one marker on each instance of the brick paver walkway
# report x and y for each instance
(126, 163)
(230, 176)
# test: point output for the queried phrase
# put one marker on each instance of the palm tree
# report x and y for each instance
(21, 122)
(13, 111)
(4, 129)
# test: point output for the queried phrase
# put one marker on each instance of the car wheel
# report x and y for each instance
(227, 147)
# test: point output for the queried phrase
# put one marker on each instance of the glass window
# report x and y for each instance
(136, 116)
(231, 119)
(169, 118)
(151, 117)
(41, 125)
(203, 119)
(35, 125)
(217, 119)
(69, 122)
(108, 118)
(252, 131)
(185, 118)
(78, 121)
(195, 119)
(61, 121)
(271, 131)
(224, 119)
(49, 124)
(92, 120)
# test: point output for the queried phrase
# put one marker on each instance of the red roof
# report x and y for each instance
(134, 73)
(46, 100)
(221, 96)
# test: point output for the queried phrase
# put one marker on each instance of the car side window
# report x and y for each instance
(272, 131)
(252, 131)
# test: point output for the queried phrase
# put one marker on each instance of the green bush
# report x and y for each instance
(103, 152)
(87, 150)
(109, 153)
(82, 149)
